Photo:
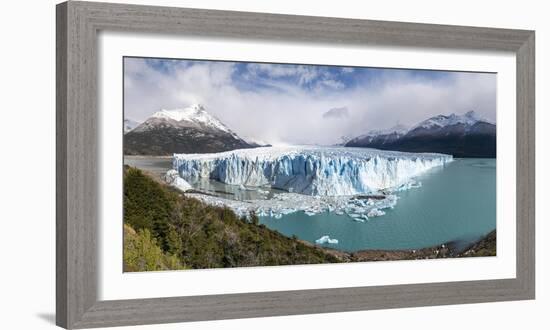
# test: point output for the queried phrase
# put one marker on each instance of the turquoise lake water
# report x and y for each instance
(456, 202)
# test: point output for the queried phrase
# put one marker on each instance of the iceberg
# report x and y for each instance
(326, 239)
(172, 178)
(355, 207)
(311, 170)
(375, 213)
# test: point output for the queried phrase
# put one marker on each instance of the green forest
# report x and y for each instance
(164, 229)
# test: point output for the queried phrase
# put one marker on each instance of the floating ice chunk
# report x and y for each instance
(285, 203)
(409, 185)
(359, 217)
(172, 178)
(375, 213)
(326, 239)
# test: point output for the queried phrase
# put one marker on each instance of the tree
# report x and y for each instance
(254, 218)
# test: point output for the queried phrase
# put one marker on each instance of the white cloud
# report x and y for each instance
(284, 111)
(331, 83)
(304, 74)
(336, 113)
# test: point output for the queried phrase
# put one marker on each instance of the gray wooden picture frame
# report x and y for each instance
(78, 24)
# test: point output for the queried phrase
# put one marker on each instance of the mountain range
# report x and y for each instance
(194, 130)
(466, 135)
(188, 130)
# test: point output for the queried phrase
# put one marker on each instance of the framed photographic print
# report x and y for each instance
(216, 165)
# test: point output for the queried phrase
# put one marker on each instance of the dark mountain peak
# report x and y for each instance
(186, 130)
(466, 135)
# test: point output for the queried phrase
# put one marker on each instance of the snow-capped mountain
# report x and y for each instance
(194, 115)
(129, 125)
(453, 124)
(187, 130)
(256, 142)
(380, 137)
(467, 135)
(397, 129)
(469, 118)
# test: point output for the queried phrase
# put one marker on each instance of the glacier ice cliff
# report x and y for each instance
(311, 170)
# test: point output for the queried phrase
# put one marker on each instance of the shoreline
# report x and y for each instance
(147, 156)
(485, 246)
(486, 243)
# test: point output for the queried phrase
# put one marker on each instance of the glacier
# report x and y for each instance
(311, 170)
(358, 182)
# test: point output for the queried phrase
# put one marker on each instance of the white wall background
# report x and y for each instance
(27, 166)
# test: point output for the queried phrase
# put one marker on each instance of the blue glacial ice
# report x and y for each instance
(311, 170)
(357, 182)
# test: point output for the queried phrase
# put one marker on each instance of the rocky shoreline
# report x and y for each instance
(484, 247)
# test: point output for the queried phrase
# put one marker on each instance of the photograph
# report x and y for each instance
(268, 165)
(246, 164)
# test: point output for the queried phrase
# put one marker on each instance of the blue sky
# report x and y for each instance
(288, 103)
(256, 76)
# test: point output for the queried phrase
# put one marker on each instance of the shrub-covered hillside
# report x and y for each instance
(141, 252)
(182, 232)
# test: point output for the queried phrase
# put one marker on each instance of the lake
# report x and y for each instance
(457, 202)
